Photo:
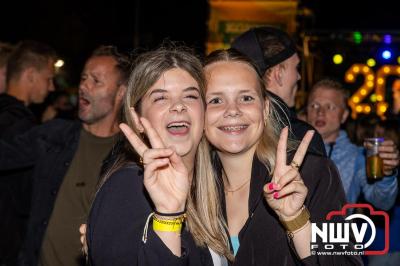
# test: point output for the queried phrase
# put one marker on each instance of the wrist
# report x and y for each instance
(294, 223)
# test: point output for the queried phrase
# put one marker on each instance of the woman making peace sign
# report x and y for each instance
(266, 196)
(256, 193)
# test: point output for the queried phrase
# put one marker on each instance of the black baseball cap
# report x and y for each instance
(266, 46)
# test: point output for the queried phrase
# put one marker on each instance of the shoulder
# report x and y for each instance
(124, 178)
(318, 171)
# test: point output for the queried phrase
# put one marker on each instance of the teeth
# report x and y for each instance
(234, 128)
(183, 124)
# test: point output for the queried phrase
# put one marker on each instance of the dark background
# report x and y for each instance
(74, 28)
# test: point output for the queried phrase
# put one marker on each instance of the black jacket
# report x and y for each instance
(298, 128)
(15, 185)
(263, 241)
(48, 148)
(15, 117)
(116, 223)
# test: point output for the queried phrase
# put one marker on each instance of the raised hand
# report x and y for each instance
(286, 193)
(166, 178)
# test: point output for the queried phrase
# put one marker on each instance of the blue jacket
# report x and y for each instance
(350, 161)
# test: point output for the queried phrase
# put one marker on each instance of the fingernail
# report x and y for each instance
(276, 195)
(271, 186)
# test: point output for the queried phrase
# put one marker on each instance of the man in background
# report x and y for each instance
(67, 156)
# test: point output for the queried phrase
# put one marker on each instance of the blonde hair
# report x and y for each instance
(273, 123)
(204, 214)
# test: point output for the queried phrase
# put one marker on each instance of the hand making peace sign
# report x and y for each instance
(286, 193)
(166, 178)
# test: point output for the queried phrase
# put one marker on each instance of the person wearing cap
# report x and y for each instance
(275, 55)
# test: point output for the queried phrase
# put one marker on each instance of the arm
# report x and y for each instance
(325, 194)
(382, 194)
(21, 151)
(116, 223)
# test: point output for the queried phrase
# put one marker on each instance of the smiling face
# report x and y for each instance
(235, 108)
(174, 107)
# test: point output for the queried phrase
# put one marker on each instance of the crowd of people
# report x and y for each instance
(175, 161)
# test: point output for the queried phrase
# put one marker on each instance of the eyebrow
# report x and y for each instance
(164, 91)
(241, 91)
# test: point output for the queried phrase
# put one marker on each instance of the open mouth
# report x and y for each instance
(320, 123)
(178, 128)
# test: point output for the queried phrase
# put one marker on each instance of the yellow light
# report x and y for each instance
(356, 99)
(350, 77)
(367, 109)
(337, 59)
(382, 109)
(370, 84)
(358, 109)
(398, 60)
(379, 98)
(373, 98)
(380, 81)
(371, 62)
(356, 69)
(371, 77)
(363, 91)
(365, 69)
(398, 69)
(59, 63)
(386, 69)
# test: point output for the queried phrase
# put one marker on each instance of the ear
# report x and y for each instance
(121, 93)
(344, 116)
(277, 73)
(29, 75)
(266, 107)
(136, 120)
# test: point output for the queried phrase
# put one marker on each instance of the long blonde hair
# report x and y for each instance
(204, 214)
(273, 124)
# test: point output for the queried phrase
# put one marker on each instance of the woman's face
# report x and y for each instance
(235, 109)
(174, 107)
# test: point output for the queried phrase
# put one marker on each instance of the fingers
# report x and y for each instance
(82, 229)
(302, 149)
(133, 139)
(152, 135)
(151, 154)
(177, 162)
(151, 168)
(290, 176)
(293, 187)
(281, 150)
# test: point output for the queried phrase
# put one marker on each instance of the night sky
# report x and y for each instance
(74, 28)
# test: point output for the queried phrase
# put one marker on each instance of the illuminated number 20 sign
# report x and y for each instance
(371, 82)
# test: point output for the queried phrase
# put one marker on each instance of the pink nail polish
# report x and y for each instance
(276, 195)
(271, 186)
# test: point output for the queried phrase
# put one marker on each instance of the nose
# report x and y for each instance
(178, 107)
(232, 110)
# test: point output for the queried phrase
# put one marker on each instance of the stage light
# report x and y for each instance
(386, 54)
(357, 37)
(337, 59)
(371, 62)
(387, 38)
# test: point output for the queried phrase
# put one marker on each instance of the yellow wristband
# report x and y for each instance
(167, 225)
